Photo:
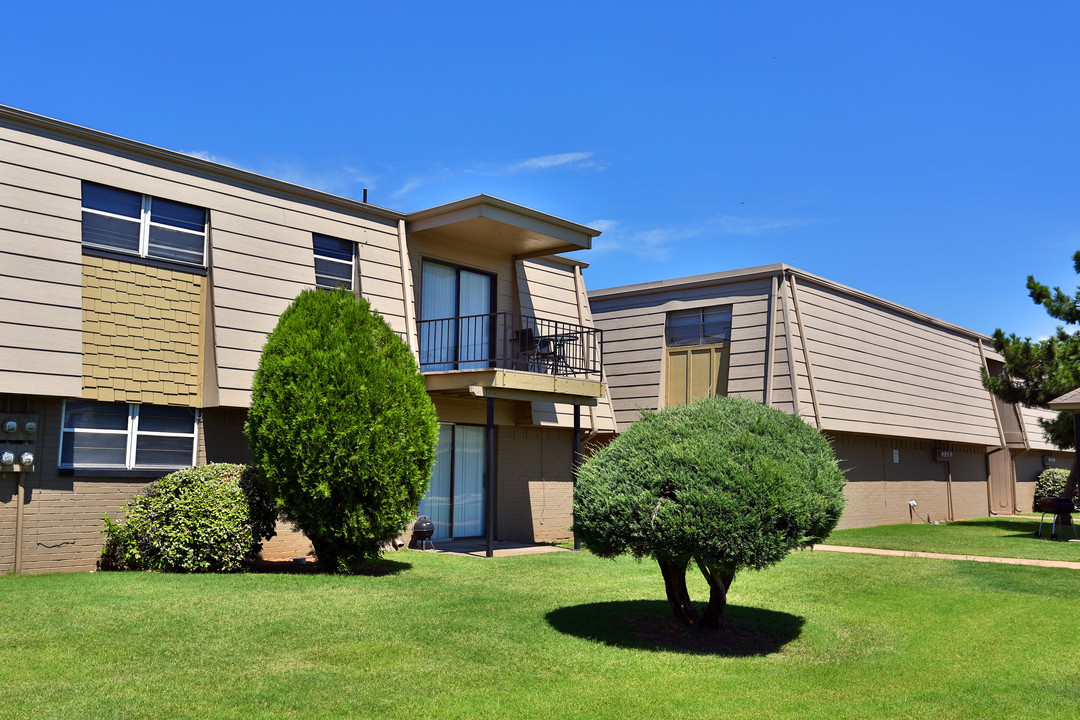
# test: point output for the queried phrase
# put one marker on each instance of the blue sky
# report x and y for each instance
(925, 152)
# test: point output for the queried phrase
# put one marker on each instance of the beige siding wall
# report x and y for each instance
(881, 372)
(534, 501)
(1035, 436)
(141, 333)
(40, 297)
(634, 341)
(260, 256)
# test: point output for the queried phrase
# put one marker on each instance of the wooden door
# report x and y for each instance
(696, 372)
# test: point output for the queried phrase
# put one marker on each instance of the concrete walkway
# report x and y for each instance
(478, 548)
(1067, 564)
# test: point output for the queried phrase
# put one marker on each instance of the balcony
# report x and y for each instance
(509, 356)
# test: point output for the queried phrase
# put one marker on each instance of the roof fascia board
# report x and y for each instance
(493, 208)
(756, 273)
(693, 281)
(114, 142)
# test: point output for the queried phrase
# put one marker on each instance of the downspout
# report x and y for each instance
(1001, 439)
(20, 496)
(582, 299)
(770, 343)
(948, 488)
(411, 330)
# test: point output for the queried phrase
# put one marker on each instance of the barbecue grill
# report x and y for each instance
(1062, 509)
(422, 530)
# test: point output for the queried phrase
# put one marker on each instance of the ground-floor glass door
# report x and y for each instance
(455, 498)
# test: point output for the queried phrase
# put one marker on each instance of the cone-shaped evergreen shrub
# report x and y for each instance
(341, 426)
(725, 482)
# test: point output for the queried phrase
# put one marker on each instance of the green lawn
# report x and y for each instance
(1012, 537)
(563, 635)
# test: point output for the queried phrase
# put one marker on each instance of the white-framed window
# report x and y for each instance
(700, 326)
(118, 435)
(334, 262)
(141, 225)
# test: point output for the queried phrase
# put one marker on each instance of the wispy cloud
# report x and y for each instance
(211, 157)
(651, 244)
(571, 161)
(346, 181)
(733, 225)
(656, 244)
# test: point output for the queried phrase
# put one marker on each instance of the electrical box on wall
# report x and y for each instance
(15, 427)
(18, 431)
(17, 458)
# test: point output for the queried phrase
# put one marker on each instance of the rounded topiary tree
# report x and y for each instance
(725, 482)
(200, 519)
(341, 426)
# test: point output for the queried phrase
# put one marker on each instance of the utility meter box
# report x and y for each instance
(17, 458)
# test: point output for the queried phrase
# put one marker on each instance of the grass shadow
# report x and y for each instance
(650, 625)
(378, 568)
(1023, 529)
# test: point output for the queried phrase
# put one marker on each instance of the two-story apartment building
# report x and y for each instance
(139, 284)
(898, 392)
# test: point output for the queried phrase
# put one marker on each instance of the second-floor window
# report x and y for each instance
(139, 225)
(148, 227)
(334, 262)
(700, 326)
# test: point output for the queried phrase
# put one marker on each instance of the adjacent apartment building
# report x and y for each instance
(139, 284)
(898, 392)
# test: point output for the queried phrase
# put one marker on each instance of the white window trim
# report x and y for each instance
(132, 432)
(144, 223)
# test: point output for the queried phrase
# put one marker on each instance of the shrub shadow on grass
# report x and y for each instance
(377, 568)
(1020, 527)
(650, 625)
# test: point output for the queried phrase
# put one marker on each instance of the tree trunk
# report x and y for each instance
(675, 584)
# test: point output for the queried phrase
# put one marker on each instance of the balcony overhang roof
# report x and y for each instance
(1069, 402)
(514, 385)
(500, 226)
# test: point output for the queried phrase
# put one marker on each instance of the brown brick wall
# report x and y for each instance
(1028, 467)
(878, 490)
(534, 498)
(141, 333)
(62, 514)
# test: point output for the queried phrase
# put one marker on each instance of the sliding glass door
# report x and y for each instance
(455, 499)
(455, 307)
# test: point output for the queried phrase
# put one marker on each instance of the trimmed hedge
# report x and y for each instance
(210, 518)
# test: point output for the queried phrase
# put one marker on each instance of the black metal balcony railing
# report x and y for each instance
(506, 340)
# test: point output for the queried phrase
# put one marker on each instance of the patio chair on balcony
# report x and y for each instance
(534, 353)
